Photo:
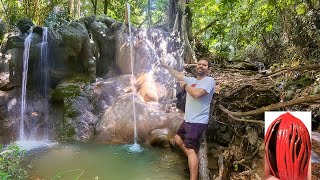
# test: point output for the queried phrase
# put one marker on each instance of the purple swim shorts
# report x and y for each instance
(191, 133)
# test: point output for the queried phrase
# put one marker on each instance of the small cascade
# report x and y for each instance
(44, 73)
(135, 147)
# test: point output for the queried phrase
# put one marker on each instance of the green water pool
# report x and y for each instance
(106, 162)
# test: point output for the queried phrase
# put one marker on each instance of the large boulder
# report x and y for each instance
(105, 46)
(24, 25)
(78, 121)
(117, 123)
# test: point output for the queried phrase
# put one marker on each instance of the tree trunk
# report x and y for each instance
(105, 9)
(35, 12)
(94, 5)
(172, 13)
(77, 9)
(203, 159)
(71, 8)
(189, 54)
(149, 14)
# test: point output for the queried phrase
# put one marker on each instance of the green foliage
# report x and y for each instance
(10, 159)
(56, 17)
(270, 26)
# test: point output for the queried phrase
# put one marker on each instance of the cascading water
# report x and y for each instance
(31, 140)
(44, 68)
(27, 43)
(135, 147)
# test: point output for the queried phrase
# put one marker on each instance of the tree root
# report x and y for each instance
(306, 99)
(278, 72)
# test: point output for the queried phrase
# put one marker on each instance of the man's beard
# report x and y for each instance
(201, 74)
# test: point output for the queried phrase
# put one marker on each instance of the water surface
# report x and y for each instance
(110, 162)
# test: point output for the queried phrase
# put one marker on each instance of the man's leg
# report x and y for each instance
(193, 162)
(180, 143)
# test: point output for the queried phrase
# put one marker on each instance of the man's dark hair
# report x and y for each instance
(209, 62)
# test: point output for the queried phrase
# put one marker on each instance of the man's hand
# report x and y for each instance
(173, 72)
(182, 84)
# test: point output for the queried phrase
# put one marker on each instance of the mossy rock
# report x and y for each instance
(66, 131)
(64, 90)
(76, 78)
(73, 35)
(300, 82)
(69, 109)
(24, 24)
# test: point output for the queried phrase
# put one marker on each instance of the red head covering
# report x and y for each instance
(288, 148)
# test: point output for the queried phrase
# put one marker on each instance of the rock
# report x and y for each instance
(24, 25)
(103, 36)
(66, 89)
(73, 35)
(261, 152)
(148, 89)
(252, 135)
(78, 121)
(78, 111)
(2, 30)
(3, 104)
(243, 65)
(159, 137)
(117, 121)
(15, 42)
(38, 30)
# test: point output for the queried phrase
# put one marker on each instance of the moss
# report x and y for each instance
(300, 82)
(65, 90)
(76, 78)
(69, 110)
(70, 133)
(66, 131)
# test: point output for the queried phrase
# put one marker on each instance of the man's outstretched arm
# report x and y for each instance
(173, 72)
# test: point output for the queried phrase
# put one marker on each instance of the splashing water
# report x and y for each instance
(135, 148)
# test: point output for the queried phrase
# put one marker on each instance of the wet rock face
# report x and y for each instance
(117, 123)
(79, 110)
(80, 50)
(69, 52)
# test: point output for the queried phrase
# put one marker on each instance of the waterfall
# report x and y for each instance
(31, 140)
(27, 43)
(44, 71)
(135, 147)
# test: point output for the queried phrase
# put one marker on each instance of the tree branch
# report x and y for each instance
(309, 67)
(205, 28)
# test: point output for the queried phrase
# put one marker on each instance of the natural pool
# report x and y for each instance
(111, 162)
